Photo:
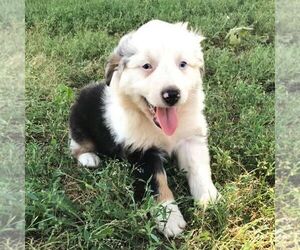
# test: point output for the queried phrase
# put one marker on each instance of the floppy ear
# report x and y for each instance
(202, 68)
(183, 25)
(202, 71)
(119, 56)
(199, 38)
(112, 64)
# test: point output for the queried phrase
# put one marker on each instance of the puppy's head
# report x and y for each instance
(158, 68)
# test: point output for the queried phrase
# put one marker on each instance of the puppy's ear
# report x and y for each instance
(198, 38)
(202, 71)
(183, 25)
(111, 66)
(118, 58)
(195, 32)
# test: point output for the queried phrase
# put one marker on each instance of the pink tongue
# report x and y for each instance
(167, 118)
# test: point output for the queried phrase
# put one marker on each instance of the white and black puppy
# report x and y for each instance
(152, 105)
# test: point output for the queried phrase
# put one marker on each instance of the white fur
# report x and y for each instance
(129, 125)
(89, 160)
(74, 146)
(170, 221)
(164, 45)
(193, 157)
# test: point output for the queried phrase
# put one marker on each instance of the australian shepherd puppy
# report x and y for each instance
(150, 107)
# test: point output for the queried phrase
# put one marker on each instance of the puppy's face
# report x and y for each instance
(158, 67)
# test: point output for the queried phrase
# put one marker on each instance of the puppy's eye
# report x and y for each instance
(147, 66)
(182, 64)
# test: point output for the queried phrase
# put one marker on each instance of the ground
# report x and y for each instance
(68, 207)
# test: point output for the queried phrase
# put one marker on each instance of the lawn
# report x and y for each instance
(68, 207)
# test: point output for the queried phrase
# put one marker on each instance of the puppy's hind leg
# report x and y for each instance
(84, 153)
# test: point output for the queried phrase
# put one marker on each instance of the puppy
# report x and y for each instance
(150, 107)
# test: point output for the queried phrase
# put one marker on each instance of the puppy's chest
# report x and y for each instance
(137, 132)
(131, 130)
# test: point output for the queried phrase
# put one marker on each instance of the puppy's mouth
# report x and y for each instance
(163, 117)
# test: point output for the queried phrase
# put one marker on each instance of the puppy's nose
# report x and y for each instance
(170, 96)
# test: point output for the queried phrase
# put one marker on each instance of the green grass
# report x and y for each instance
(68, 207)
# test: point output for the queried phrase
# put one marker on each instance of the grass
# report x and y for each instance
(68, 207)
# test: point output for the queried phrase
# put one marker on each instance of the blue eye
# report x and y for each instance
(182, 64)
(147, 66)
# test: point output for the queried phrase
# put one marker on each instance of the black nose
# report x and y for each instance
(170, 96)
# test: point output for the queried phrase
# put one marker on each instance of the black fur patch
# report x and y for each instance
(147, 165)
(87, 124)
(87, 121)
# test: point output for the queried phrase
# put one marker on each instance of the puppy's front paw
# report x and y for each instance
(170, 222)
(90, 160)
(207, 195)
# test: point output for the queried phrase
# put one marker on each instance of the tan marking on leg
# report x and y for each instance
(164, 192)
